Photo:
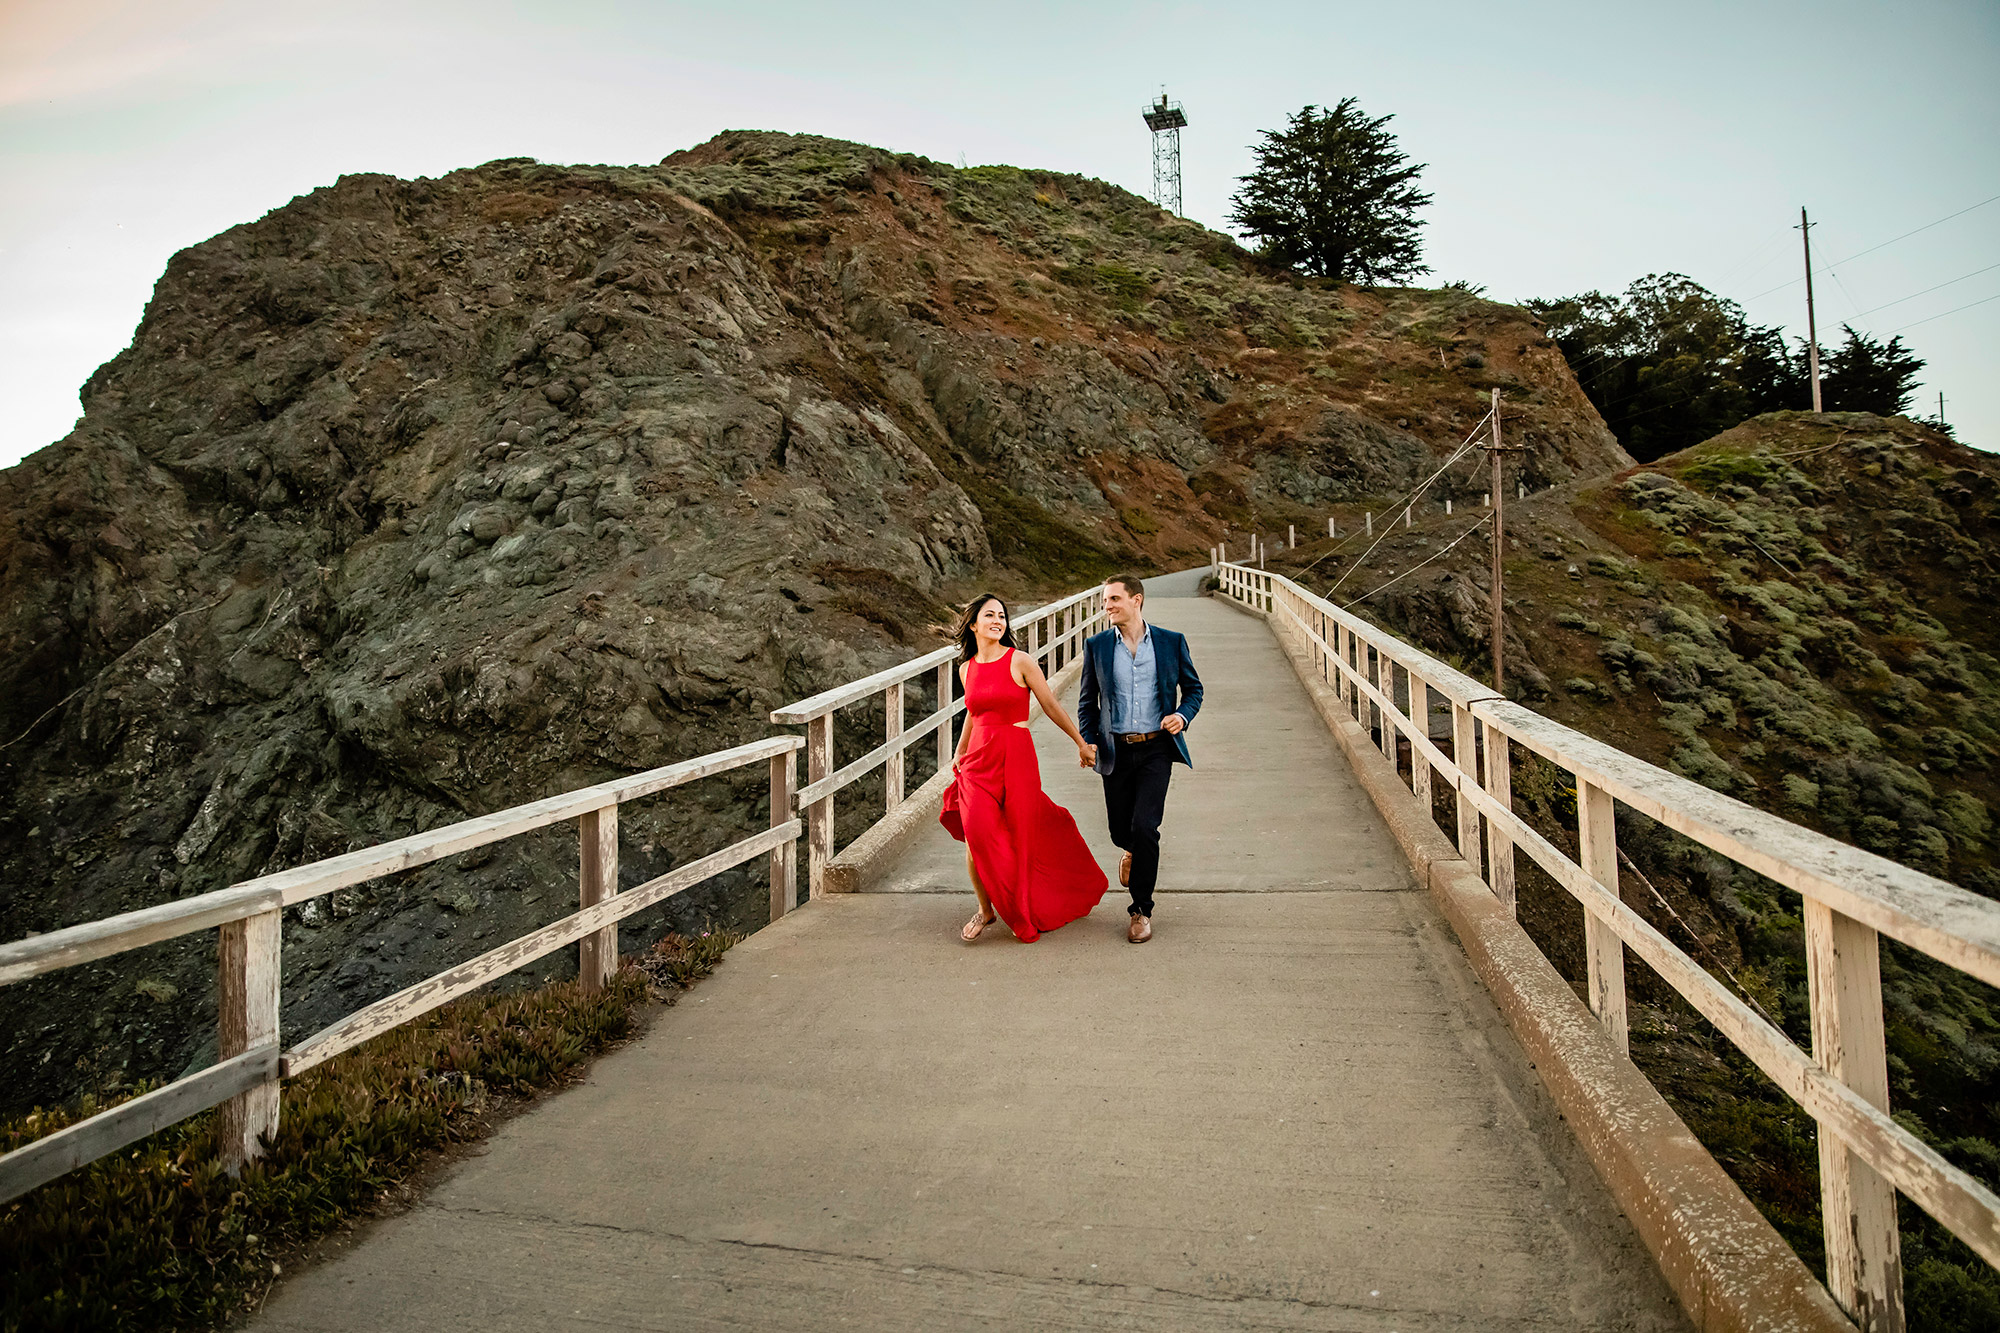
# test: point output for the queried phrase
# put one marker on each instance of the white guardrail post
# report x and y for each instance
(785, 856)
(1499, 783)
(894, 769)
(946, 742)
(1597, 853)
(1857, 1206)
(819, 815)
(597, 882)
(248, 967)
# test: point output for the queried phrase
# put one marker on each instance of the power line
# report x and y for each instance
(1873, 248)
(1408, 499)
(1437, 555)
(1953, 311)
(1928, 290)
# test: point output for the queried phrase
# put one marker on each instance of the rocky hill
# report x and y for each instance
(415, 499)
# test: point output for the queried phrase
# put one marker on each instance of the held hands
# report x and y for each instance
(1173, 724)
(1086, 756)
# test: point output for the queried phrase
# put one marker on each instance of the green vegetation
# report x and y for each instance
(159, 1236)
(1333, 195)
(1670, 364)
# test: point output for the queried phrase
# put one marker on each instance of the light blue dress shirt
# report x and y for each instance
(1135, 687)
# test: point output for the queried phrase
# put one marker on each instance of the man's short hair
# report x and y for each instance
(1133, 587)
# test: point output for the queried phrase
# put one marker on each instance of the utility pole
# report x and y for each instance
(1499, 501)
(1812, 330)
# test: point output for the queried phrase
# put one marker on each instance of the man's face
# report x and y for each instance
(1121, 607)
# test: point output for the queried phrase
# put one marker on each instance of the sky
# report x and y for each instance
(1569, 147)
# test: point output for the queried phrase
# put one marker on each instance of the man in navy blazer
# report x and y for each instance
(1139, 694)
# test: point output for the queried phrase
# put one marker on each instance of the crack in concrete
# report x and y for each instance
(1137, 1291)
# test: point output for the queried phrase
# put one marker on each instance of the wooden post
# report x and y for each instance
(1597, 843)
(1385, 681)
(1329, 529)
(247, 1018)
(785, 856)
(1812, 325)
(1465, 756)
(1420, 767)
(597, 880)
(946, 742)
(1350, 653)
(819, 815)
(1499, 847)
(1369, 519)
(1291, 535)
(1858, 1207)
(1499, 534)
(893, 770)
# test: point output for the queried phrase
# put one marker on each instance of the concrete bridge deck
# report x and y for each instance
(1295, 1109)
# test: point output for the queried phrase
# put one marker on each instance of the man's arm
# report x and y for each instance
(1190, 685)
(1086, 697)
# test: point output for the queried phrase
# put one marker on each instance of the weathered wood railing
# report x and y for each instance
(1052, 634)
(1851, 897)
(245, 1080)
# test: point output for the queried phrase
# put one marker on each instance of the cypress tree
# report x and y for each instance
(1333, 195)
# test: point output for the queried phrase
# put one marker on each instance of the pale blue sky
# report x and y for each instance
(1570, 145)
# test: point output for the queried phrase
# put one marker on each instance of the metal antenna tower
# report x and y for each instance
(1165, 120)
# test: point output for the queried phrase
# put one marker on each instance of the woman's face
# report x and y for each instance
(991, 622)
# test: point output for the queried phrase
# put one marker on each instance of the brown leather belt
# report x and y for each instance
(1139, 738)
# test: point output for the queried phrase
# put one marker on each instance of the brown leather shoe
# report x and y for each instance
(1125, 871)
(1140, 930)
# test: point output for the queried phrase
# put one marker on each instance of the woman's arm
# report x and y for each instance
(965, 732)
(1032, 677)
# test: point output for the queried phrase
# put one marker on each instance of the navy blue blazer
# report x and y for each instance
(1180, 689)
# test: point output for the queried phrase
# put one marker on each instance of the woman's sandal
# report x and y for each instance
(976, 927)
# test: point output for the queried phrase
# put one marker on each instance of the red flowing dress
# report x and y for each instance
(1038, 872)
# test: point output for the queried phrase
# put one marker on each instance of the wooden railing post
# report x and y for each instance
(946, 742)
(785, 856)
(597, 881)
(247, 1018)
(1465, 756)
(1420, 717)
(1597, 853)
(893, 770)
(819, 815)
(1863, 1248)
(1385, 681)
(1500, 786)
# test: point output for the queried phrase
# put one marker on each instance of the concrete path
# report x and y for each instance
(1294, 1109)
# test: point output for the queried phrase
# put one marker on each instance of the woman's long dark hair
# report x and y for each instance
(968, 641)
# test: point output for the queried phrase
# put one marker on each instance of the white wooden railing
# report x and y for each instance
(245, 1080)
(1052, 634)
(1851, 897)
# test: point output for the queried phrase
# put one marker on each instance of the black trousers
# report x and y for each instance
(1135, 799)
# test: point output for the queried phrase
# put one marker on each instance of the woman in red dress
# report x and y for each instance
(1029, 865)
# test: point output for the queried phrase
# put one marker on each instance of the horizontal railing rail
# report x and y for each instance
(245, 1080)
(1054, 636)
(1850, 897)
